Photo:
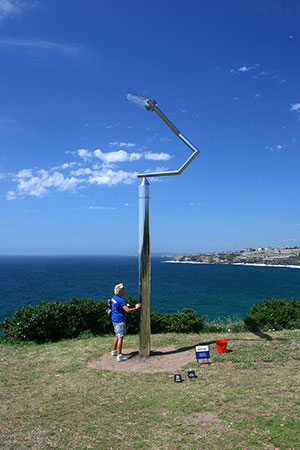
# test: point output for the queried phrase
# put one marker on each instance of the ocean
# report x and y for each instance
(211, 290)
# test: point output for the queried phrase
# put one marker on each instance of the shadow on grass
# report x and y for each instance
(258, 333)
(263, 335)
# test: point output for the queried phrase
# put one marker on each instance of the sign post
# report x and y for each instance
(202, 352)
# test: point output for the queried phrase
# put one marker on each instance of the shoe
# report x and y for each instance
(121, 358)
(114, 353)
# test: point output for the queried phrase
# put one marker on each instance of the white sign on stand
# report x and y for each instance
(202, 352)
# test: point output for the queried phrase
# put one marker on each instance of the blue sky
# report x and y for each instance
(225, 73)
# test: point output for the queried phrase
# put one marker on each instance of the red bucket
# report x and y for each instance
(221, 345)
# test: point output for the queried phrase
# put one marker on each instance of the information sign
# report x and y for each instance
(202, 351)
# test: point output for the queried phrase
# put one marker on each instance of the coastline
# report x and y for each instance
(234, 264)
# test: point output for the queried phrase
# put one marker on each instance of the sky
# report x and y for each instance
(71, 145)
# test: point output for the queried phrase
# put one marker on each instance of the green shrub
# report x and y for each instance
(237, 326)
(213, 325)
(185, 321)
(50, 322)
(160, 322)
(40, 323)
(84, 314)
(274, 315)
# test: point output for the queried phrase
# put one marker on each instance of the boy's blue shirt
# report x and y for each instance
(117, 312)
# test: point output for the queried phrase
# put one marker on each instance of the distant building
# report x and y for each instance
(249, 249)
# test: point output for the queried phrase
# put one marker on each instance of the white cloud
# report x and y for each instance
(122, 144)
(127, 144)
(109, 177)
(119, 156)
(157, 156)
(9, 125)
(10, 195)
(295, 107)
(264, 73)
(111, 208)
(277, 147)
(67, 165)
(66, 177)
(109, 125)
(244, 69)
(25, 173)
(256, 95)
(69, 49)
(84, 154)
(81, 172)
(165, 139)
(39, 184)
(12, 8)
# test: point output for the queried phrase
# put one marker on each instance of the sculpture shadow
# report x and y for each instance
(187, 348)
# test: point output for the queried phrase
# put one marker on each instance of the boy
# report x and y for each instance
(118, 317)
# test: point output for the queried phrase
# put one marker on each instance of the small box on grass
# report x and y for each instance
(191, 374)
(177, 378)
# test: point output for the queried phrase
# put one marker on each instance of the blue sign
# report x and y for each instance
(202, 351)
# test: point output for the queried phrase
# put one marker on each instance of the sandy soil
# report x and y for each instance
(162, 359)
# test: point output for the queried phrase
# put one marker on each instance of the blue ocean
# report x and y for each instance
(211, 290)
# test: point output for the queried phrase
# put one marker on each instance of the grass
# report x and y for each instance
(247, 398)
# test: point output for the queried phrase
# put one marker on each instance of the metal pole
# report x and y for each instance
(144, 268)
(144, 232)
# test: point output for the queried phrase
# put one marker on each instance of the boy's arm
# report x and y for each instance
(137, 306)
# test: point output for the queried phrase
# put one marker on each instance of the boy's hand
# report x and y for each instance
(138, 305)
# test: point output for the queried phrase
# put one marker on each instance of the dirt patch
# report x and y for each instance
(162, 359)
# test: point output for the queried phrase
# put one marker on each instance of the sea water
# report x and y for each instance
(211, 290)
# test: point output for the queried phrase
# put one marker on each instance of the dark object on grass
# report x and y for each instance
(192, 374)
(177, 378)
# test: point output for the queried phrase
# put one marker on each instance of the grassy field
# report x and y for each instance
(247, 398)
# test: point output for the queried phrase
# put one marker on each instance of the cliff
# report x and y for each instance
(270, 257)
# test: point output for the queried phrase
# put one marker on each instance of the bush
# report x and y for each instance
(184, 321)
(211, 326)
(50, 322)
(84, 315)
(274, 314)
